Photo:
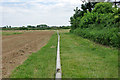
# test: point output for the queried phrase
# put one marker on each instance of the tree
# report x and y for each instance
(88, 6)
(23, 28)
(75, 19)
(103, 7)
(4, 27)
(42, 25)
(9, 26)
(29, 26)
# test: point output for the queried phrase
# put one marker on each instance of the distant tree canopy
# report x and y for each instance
(42, 25)
(38, 27)
(29, 26)
(7, 26)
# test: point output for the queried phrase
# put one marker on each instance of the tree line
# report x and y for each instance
(97, 21)
(38, 27)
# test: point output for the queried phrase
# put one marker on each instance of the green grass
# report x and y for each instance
(41, 64)
(82, 58)
(11, 33)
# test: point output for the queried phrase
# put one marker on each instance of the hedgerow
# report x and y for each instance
(106, 36)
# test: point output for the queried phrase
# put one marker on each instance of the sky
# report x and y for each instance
(34, 12)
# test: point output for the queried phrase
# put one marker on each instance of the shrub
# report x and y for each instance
(105, 36)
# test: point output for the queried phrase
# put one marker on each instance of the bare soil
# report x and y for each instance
(17, 48)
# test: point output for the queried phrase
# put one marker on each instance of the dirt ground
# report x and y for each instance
(16, 48)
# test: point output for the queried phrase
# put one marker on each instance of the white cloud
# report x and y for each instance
(51, 12)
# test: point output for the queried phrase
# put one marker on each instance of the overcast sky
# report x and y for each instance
(34, 12)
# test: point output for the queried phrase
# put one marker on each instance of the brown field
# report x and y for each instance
(16, 48)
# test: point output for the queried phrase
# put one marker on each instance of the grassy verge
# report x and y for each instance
(11, 33)
(40, 64)
(82, 58)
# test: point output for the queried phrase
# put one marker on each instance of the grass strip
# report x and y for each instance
(40, 64)
(11, 33)
(82, 58)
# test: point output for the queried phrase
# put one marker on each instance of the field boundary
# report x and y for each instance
(58, 63)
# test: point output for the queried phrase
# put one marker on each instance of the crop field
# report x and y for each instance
(18, 45)
(41, 64)
(80, 58)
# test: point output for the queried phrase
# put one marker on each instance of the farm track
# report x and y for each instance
(16, 48)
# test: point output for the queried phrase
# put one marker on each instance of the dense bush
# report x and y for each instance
(88, 18)
(96, 18)
(101, 25)
(106, 36)
(103, 7)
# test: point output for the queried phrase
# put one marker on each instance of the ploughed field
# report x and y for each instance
(18, 45)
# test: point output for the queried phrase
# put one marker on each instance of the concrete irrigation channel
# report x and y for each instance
(58, 63)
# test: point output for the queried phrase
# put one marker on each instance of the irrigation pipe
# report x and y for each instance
(58, 64)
